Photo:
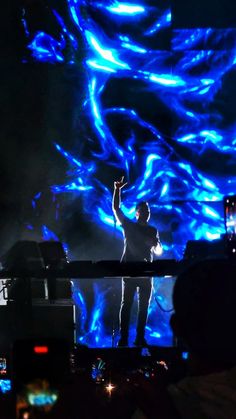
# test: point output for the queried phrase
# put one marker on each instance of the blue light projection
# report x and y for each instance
(92, 324)
(125, 9)
(99, 329)
(168, 90)
(45, 48)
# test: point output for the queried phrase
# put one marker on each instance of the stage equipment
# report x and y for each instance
(55, 258)
(201, 249)
(22, 256)
(37, 305)
(33, 257)
(115, 269)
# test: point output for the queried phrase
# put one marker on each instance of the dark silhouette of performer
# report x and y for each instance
(141, 241)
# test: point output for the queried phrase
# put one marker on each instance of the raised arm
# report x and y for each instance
(116, 201)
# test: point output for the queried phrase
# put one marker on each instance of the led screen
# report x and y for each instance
(129, 93)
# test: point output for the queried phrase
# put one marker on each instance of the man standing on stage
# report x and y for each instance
(141, 241)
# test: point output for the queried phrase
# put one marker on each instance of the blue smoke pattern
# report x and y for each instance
(92, 329)
(185, 86)
(186, 75)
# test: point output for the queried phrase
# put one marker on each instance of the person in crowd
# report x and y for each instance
(204, 301)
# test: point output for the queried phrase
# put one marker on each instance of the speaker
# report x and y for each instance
(24, 254)
(53, 254)
(202, 249)
(33, 256)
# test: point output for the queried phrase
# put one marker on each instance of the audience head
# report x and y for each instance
(204, 300)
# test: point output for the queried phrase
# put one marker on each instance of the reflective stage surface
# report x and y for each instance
(97, 312)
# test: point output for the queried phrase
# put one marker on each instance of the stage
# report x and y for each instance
(84, 310)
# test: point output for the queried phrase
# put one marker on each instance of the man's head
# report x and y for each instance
(142, 212)
(204, 301)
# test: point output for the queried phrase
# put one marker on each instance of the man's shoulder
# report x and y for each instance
(127, 222)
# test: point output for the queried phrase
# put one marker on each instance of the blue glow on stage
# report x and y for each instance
(155, 110)
(97, 329)
(125, 9)
(47, 234)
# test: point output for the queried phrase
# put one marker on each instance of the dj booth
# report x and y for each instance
(37, 288)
